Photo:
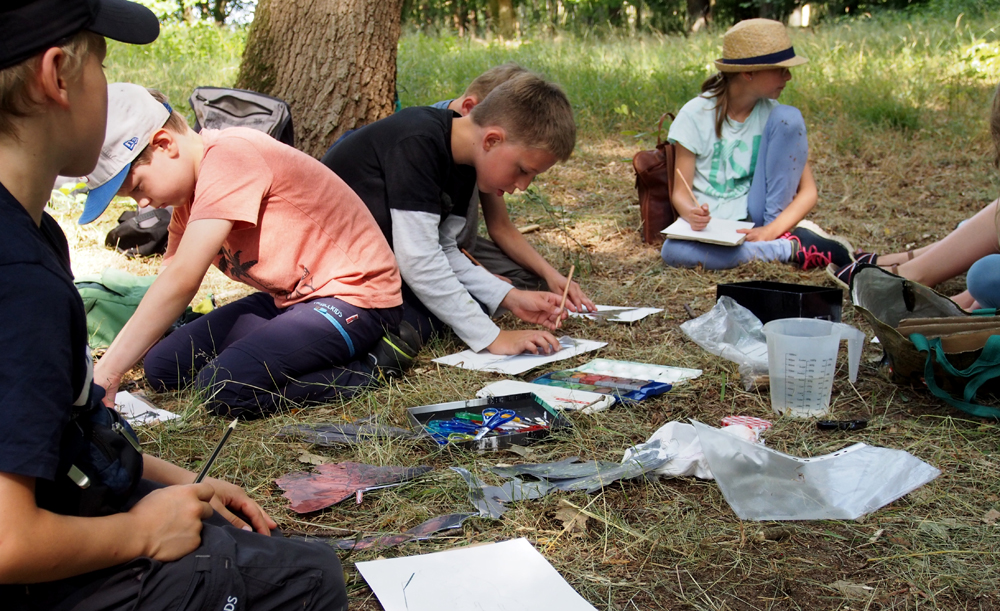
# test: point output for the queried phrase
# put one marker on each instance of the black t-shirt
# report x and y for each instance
(44, 360)
(404, 162)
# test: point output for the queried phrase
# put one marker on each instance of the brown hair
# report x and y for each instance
(717, 86)
(175, 123)
(534, 113)
(486, 82)
(15, 99)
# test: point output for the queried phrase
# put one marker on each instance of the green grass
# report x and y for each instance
(897, 115)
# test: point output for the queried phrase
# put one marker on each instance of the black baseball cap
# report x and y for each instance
(28, 27)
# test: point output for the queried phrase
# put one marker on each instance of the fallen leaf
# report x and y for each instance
(991, 516)
(572, 519)
(309, 458)
(852, 590)
(520, 451)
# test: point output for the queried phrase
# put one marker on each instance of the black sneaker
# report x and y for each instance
(842, 275)
(394, 354)
(813, 247)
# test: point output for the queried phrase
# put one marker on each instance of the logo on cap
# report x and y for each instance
(130, 144)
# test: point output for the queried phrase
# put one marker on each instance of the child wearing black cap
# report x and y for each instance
(80, 529)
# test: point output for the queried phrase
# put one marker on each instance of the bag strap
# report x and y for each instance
(659, 127)
(986, 368)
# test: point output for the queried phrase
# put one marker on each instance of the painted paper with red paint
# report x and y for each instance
(336, 482)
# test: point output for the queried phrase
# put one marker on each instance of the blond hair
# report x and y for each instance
(15, 97)
(486, 82)
(175, 123)
(533, 112)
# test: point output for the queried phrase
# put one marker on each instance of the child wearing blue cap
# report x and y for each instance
(89, 522)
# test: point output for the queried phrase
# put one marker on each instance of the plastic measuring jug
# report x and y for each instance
(801, 359)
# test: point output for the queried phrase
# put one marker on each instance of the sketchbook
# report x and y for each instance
(719, 231)
(519, 363)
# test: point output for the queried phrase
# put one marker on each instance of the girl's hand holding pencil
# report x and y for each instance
(697, 216)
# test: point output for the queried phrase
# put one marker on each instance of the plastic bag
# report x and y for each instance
(731, 331)
(760, 483)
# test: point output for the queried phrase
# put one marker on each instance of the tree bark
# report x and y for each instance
(333, 61)
(506, 22)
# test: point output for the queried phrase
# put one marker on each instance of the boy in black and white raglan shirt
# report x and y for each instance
(416, 171)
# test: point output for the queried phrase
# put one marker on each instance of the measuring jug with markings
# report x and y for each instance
(801, 359)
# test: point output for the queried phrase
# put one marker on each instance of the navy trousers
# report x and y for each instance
(249, 356)
(232, 570)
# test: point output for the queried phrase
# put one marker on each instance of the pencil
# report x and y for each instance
(215, 453)
(569, 279)
(688, 187)
(471, 258)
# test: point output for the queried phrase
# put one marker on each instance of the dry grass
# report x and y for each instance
(928, 550)
(886, 190)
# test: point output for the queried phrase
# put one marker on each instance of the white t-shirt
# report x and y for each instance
(723, 166)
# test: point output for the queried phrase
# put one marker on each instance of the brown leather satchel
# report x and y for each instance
(654, 178)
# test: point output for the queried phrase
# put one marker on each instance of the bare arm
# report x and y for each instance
(688, 209)
(165, 300)
(37, 545)
(503, 231)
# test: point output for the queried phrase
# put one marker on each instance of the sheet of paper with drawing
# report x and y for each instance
(719, 231)
(519, 363)
(495, 577)
(138, 410)
(617, 313)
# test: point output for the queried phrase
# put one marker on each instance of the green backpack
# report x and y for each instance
(110, 298)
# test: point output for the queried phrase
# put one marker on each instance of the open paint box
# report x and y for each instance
(527, 406)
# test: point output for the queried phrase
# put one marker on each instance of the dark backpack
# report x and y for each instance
(219, 108)
(140, 234)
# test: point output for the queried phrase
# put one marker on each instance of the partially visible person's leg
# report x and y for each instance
(247, 377)
(956, 252)
(175, 360)
(781, 158)
(686, 253)
(983, 281)
(498, 263)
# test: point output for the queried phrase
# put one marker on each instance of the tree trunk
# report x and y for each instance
(506, 23)
(699, 14)
(333, 61)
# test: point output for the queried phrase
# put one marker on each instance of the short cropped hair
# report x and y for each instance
(533, 112)
(175, 123)
(15, 100)
(486, 82)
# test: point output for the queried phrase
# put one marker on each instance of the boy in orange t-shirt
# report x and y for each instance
(266, 215)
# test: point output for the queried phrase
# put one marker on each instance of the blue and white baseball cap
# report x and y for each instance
(134, 115)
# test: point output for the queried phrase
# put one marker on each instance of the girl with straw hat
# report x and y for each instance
(745, 156)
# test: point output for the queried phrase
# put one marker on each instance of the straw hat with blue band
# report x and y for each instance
(133, 117)
(757, 44)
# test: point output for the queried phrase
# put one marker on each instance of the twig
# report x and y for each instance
(943, 551)
(611, 524)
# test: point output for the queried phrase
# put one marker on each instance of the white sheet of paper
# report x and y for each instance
(719, 231)
(517, 577)
(567, 399)
(138, 411)
(519, 363)
(640, 371)
(624, 314)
